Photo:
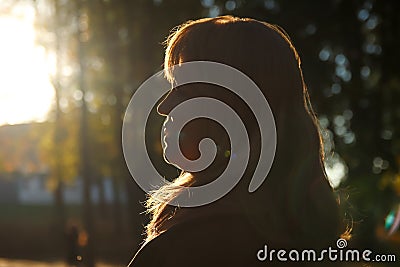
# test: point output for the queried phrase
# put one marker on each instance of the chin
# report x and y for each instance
(171, 158)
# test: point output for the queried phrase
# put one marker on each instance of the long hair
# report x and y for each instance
(296, 200)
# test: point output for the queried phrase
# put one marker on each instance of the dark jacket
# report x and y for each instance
(226, 240)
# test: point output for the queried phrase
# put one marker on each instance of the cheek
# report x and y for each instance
(189, 139)
(197, 130)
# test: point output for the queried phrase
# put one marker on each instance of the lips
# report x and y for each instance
(164, 131)
(164, 135)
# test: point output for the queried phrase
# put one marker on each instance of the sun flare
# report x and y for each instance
(26, 93)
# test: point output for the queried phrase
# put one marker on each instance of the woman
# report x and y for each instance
(294, 207)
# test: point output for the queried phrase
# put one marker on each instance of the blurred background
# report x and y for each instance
(69, 67)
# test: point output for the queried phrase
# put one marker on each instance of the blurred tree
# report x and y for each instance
(58, 131)
(86, 169)
(59, 148)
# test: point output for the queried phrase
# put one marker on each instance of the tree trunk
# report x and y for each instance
(85, 171)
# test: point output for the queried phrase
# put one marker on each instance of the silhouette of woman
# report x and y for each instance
(295, 207)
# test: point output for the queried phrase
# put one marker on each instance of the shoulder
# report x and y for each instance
(217, 241)
(211, 242)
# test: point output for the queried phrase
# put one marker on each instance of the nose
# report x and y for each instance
(165, 105)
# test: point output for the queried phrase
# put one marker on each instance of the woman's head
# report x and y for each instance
(296, 189)
(258, 49)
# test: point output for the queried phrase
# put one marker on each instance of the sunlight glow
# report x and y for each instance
(26, 93)
(336, 173)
